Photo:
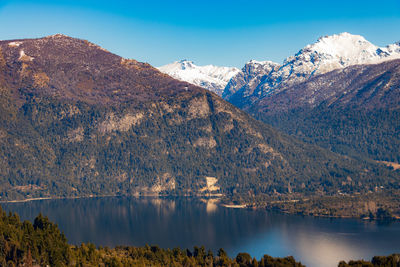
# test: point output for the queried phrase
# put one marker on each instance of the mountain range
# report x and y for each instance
(327, 54)
(210, 77)
(258, 79)
(77, 120)
(352, 109)
(341, 93)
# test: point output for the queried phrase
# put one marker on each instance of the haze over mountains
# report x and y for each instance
(78, 120)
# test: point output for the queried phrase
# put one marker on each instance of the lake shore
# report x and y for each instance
(284, 207)
(54, 198)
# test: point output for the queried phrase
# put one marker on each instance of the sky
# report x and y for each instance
(219, 32)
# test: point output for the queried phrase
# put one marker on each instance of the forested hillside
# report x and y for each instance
(77, 120)
(354, 111)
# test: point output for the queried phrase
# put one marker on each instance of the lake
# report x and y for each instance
(189, 222)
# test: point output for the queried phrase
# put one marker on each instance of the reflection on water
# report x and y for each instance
(211, 204)
(187, 222)
(325, 248)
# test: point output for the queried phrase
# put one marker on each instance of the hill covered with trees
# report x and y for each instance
(76, 120)
(353, 111)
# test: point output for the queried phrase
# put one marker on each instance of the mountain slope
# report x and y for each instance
(327, 54)
(87, 73)
(362, 87)
(76, 120)
(353, 111)
(210, 77)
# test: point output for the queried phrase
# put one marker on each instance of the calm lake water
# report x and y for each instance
(188, 222)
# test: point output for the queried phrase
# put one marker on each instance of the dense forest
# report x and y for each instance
(366, 135)
(42, 244)
(354, 111)
(59, 149)
(373, 134)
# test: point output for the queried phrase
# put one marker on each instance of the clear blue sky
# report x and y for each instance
(225, 32)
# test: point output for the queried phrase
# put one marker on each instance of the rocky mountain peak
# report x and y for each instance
(249, 77)
(184, 64)
(339, 50)
(254, 65)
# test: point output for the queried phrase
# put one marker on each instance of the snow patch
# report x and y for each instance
(14, 44)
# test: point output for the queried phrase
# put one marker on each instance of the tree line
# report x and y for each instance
(43, 244)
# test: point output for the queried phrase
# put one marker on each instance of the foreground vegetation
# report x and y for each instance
(42, 244)
(392, 261)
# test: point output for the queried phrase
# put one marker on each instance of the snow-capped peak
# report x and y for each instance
(334, 52)
(184, 64)
(350, 48)
(211, 77)
(326, 54)
(342, 50)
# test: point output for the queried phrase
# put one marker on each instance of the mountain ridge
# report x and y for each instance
(326, 54)
(211, 77)
(86, 81)
(342, 87)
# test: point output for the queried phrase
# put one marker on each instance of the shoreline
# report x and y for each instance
(229, 206)
(233, 206)
(53, 198)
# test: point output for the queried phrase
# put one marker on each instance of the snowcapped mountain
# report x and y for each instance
(211, 77)
(335, 52)
(327, 54)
